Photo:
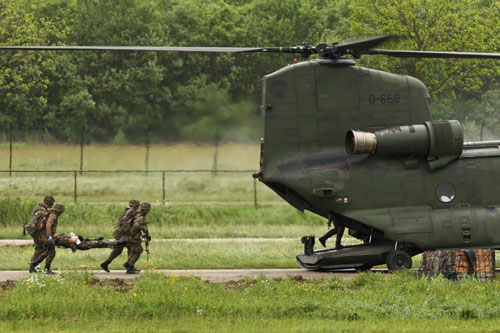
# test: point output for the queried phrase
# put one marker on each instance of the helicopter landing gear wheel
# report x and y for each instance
(398, 260)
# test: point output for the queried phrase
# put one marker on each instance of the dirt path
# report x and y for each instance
(212, 275)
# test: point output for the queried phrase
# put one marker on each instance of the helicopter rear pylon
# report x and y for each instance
(361, 257)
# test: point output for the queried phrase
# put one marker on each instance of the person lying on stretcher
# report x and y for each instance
(77, 242)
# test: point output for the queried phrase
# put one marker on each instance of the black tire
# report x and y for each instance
(398, 260)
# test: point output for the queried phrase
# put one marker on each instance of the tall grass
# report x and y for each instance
(105, 187)
(190, 221)
(373, 302)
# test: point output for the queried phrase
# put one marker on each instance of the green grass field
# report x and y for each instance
(170, 255)
(370, 303)
(103, 187)
(131, 157)
(190, 221)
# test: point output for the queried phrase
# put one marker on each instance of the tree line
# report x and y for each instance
(123, 96)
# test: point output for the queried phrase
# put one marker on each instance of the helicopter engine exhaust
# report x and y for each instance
(434, 138)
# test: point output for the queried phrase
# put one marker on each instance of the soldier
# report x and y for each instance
(134, 238)
(46, 237)
(38, 212)
(121, 231)
(337, 230)
(47, 203)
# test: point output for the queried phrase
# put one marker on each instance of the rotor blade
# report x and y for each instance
(431, 54)
(364, 43)
(136, 48)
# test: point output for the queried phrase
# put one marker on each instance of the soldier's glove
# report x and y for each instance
(51, 240)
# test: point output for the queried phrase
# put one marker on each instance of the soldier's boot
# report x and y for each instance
(127, 266)
(33, 265)
(322, 240)
(105, 264)
(47, 269)
(133, 270)
(338, 245)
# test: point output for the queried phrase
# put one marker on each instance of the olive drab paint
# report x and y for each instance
(419, 186)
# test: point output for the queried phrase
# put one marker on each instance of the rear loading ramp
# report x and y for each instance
(362, 256)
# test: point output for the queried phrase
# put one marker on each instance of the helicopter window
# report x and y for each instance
(279, 89)
(445, 192)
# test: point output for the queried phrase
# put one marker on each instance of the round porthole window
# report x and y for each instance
(445, 192)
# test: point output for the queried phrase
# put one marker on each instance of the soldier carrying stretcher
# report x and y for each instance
(121, 231)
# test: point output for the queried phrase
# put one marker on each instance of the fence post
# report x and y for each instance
(216, 154)
(82, 141)
(75, 195)
(163, 185)
(10, 151)
(255, 193)
(147, 152)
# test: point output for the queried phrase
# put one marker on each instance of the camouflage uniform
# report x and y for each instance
(48, 250)
(77, 242)
(134, 240)
(42, 208)
(120, 231)
(39, 245)
(51, 228)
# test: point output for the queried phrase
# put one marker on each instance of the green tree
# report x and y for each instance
(128, 87)
(23, 77)
(488, 115)
(444, 25)
(128, 94)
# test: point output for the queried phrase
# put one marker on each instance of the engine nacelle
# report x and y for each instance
(433, 138)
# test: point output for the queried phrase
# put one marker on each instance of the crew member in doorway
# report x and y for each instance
(337, 230)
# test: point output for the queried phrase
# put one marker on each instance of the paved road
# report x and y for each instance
(212, 275)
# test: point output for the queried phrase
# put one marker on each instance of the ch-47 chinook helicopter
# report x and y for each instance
(359, 146)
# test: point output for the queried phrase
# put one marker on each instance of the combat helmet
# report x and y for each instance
(134, 204)
(59, 208)
(49, 200)
(145, 206)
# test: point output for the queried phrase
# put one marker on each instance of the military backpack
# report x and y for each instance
(124, 224)
(36, 223)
